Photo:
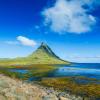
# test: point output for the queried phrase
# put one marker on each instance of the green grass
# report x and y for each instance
(33, 70)
(40, 56)
(89, 91)
(30, 60)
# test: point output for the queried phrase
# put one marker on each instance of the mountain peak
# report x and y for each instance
(45, 49)
(45, 55)
(43, 44)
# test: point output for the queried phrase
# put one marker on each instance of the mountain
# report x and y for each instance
(44, 51)
(43, 55)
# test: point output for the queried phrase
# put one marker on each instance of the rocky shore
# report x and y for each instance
(13, 89)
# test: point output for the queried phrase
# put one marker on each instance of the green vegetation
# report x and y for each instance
(89, 91)
(10, 74)
(39, 64)
(33, 71)
(43, 55)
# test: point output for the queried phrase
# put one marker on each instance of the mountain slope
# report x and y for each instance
(43, 55)
(44, 48)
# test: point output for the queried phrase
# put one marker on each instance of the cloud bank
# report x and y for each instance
(70, 16)
(26, 41)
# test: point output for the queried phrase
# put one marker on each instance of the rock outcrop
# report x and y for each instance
(13, 89)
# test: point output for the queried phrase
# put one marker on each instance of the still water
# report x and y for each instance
(81, 69)
(90, 70)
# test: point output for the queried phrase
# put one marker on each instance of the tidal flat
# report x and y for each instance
(79, 86)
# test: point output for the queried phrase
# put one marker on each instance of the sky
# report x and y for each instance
(70, 27)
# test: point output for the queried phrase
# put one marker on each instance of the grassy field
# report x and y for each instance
(89, 91)
(43, 55)
(30, 61)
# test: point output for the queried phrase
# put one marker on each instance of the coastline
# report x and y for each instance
(14, 89)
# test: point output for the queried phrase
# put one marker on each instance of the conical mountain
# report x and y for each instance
(44, 50)
(43, 55)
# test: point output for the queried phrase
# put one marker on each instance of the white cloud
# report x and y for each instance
(69, 16)
(26, 41)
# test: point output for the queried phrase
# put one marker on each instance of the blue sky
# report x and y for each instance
(70, 27)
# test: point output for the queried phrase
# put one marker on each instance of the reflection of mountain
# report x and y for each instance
(43, 55)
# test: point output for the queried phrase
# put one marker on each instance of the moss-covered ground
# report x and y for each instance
(90, 89)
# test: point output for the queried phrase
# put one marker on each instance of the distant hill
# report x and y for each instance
(43, 55)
